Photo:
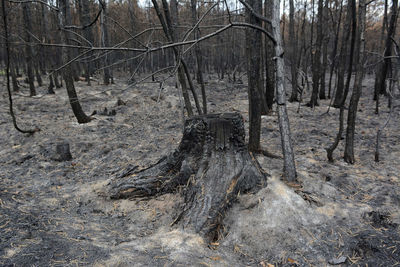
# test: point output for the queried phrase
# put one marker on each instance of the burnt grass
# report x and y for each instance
(57, 213)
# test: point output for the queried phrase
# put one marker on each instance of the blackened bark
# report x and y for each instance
(14, 76)
(325, 41)
(333, 65)
(29, 49)
(343, 59)
(64, 18)
(165, 23)
(293, 53)
(380, 84)
(355, 97)
(316, 73)
(38, 77)
(269, 62)
(105, 43)
(212, 164)
(352, 13)
(253, 54)
(84, 17)
(289, 168)
(50, 88)
(199, 57)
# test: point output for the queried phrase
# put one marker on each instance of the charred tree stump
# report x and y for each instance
(212, 165)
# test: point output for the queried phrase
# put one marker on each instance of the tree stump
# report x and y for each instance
(212, 164)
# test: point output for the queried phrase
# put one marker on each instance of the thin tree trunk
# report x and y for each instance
(343, 60)
(352, 14)
(7, 57)
(287, 149)
(199, 59)
(84, 17)
(380, 79)
(29, 49)
(316, 76)
(181, 74)
(293, 53)
(14, 77)
(38, 77)
(64, 18)
(335, 49)
(355, 97)
(105, 43)
(269, 62)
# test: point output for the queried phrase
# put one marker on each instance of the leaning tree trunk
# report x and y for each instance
(64, 17)
(212, 163)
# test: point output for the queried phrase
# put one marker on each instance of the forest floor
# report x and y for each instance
(56, 213)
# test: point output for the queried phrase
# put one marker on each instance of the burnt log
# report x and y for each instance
(210, 167)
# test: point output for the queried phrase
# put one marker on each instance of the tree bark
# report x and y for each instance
(64, 18)
(105, 43)
(325, 41)
(380, 79)
(316, 74)
(289, 168)
(165, 23)
(352, 14)
(269, 62)
(355, 97)
(213, 165)
(84, 18)
(253, 54)
(29, 49)
(343, 58)
(293, 53)
(333, 65)
(199, 58)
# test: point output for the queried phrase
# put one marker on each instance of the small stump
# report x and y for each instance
(212, 165)
(63, 152)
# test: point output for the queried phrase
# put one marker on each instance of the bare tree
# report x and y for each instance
(253, 51)
(316, 76)
(355, 96)
(29, 49)
(293, 53)
(199, 57)
(380, 78)
(107, 77)
(289, 168)
(64, 18)
(269, 62)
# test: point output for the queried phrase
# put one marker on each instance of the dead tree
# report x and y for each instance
(355, 96)
(289, 167)
(380, 80)
(316, 72)
(29, 49)
(107, 77)
(199, 57)
(352, 14)
(335, 44)
(7, 61)
(211, 164)
(84, 18)
(253, 53)
(269, 62)
(64, 18)
(293, 53)
(343, 62)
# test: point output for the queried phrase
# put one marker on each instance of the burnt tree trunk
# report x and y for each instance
(29, 49)
(212, 164)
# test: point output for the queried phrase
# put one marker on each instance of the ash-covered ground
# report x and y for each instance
(55, 213)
